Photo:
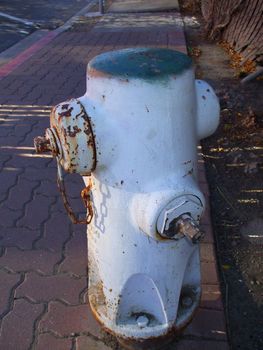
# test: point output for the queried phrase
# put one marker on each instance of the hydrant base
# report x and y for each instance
(154, 343)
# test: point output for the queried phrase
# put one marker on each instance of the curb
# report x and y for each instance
(9, 67)
(17, 60)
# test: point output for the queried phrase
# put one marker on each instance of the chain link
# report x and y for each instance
(85, 195)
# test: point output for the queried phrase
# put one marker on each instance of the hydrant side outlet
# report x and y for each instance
(208, 109)
(70, 121)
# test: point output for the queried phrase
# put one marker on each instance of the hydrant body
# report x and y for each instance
(147, 114)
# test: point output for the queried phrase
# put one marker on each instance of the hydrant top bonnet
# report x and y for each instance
(140, 63)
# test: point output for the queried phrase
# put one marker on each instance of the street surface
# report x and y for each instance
(43, 257)
(48, 14)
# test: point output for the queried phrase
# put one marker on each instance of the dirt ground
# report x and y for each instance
(234, 163)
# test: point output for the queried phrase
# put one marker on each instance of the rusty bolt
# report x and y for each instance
(42, 144)
(186, 226)
(142, 321)
(187, 301)
(47, 143)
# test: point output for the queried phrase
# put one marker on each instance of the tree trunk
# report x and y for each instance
(238, 22)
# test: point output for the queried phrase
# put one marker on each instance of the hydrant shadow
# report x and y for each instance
(101, 214)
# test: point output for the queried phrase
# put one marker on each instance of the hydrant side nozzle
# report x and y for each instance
(208, 109)
(180, 218)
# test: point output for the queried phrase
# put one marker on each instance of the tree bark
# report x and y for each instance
(238, 22)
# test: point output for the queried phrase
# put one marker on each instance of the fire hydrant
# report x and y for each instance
(133, 137)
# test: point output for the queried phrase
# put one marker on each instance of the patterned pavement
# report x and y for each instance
(43, 257)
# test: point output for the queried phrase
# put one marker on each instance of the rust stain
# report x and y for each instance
(42, 145)
(126, 80)
(154, 342)
(65, 106)
(86, 197)
(66, 114)
(97, 74)
(71, 146)
(190, 172)
(75, 131)
(97, 300)
(92, 142)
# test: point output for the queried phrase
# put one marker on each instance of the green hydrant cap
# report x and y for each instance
(141, 63)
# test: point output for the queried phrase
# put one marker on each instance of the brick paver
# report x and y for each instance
(18, 260)
(17, 328)
(209, 272)
(56, 232)
(211, 297)
(49, 341)
(8, 284)
(208, 324)
(43, 257)
(75, 248)
(55, 287)
(84, 343)
(201, 345)
(66, 320)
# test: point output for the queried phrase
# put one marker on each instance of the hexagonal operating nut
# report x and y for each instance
(187, 227)
(42, 144)
(48, 143)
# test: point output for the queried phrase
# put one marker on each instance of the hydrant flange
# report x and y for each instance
(70, 138)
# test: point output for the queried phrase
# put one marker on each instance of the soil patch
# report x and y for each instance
(234, 164)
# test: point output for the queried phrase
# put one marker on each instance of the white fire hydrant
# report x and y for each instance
(133, 137)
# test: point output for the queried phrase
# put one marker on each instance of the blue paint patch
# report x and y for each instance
(141, 63)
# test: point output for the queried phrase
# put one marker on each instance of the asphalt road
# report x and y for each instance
(45, 14)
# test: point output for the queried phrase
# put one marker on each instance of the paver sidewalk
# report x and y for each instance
(43, 257)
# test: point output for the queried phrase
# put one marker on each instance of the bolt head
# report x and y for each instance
(187, 301)
(142, 321)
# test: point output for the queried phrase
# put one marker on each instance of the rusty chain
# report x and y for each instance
(85, 195)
